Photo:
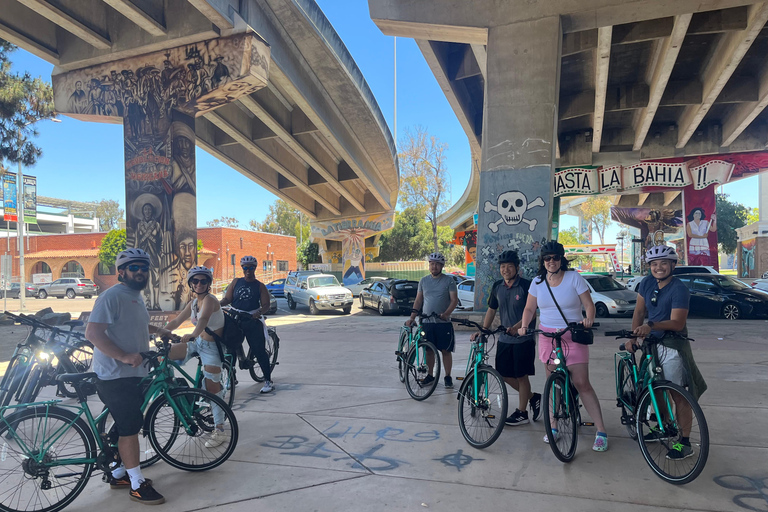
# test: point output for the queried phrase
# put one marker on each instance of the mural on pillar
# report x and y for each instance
(157, 96)
(352, 234)
(747, 264)
(514, 215)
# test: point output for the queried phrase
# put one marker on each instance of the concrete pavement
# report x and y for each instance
(341, 433)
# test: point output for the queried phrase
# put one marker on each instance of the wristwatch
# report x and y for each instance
(650, 324)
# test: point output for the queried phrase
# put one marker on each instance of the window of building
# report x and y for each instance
(282, 266)
(105, 270)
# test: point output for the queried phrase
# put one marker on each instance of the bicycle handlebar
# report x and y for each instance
(470, 323)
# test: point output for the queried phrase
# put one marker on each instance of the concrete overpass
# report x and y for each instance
(550, 85)
(267, 86)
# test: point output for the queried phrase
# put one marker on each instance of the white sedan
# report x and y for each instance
(365, 283)
(760, 284)
(466, 290)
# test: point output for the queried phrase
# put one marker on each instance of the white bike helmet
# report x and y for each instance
(129, 256)
(436, 256)
(249, 260)
(660, 252)
(199, 271)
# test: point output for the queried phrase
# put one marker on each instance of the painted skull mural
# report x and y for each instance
(511, 206)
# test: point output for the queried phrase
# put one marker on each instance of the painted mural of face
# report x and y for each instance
(147, 211)
(183, 146)
(187, 252)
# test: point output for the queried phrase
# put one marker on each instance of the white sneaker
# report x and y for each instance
(546, 438)
(268, 386)
(217, 438)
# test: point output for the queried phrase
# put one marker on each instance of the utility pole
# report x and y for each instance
(20, 234)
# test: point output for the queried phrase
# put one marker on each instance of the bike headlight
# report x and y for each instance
(42, 355)
(556, 360)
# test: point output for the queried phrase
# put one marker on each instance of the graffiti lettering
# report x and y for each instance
(757, 497)
(388, 462)
(457, 460)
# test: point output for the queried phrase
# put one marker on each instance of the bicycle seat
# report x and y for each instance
(74, 323)
(75, 377)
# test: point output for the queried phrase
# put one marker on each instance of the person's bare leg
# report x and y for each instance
(128, 448)
(524, 393)
(580, 379)
(447, 362)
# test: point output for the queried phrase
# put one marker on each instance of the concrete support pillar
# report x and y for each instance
(519, 141)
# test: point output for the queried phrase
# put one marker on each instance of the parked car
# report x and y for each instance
(390, 296)
(317, 291)
(760, 284)
(272, 305)
(458, 278)
(679, 270)
(466, 291)
(365, 283)
(69, 287)
(726, 297)
(13, 291)
(610, 296)
(276, 287)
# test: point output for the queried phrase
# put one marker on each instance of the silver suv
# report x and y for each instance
(69, 287)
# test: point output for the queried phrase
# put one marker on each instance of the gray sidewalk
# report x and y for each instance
(341, 433)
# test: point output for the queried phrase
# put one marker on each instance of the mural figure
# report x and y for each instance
(511, 206)
(148, 238)
(78, 101)
(698, 230)
(183, 167)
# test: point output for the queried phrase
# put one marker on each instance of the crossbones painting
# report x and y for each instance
(511, 206)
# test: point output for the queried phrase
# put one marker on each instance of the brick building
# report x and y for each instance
(57, 254)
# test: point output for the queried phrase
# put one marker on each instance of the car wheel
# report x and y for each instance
(87, 296)
(458, 304)
(362, 304)
(71, 294)
(601, 310)
(291, 303)
(347, 309)
(381, 309)
(312, 308)
(43, 294)
(731, 311)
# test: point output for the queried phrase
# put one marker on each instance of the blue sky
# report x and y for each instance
(84, 161)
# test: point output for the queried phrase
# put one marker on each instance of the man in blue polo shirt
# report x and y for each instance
(515, 355)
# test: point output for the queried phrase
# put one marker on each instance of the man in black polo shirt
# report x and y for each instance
(514, 355)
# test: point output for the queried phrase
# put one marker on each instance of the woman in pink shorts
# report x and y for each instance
(571, 292)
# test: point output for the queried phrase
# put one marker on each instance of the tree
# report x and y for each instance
(283, 219)
(112, 243)
(405, 241)
(597, 212)
(424, 179)
(730, 216)
(23, 101)
(199, 245)
(308, 252)
(223, 222)
(569, 236)
(753, 215)
(109, 214)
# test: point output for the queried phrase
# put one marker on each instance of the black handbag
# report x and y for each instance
(579, 333)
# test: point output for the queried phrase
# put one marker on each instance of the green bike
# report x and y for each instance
(483, 394)
(50, 449)
(644, 397)
(413, 354)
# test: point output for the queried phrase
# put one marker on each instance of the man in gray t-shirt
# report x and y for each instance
(437, 294)
(119, 330)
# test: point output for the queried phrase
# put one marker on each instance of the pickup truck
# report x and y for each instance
(317, 291)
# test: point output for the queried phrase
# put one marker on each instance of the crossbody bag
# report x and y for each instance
(579, 334)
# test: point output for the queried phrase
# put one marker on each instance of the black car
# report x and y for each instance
(390, 296)
(723, 296)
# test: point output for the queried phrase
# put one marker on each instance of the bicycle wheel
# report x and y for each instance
(481, 419)
(417, 383)
(626, 386)
(147, 454)
(5, 384)
(228, 382)
(195, 448)
(664, 451)
(34, 383)
(16, 379)
(402, 343)
(561, 417)
(272, 345)
(44, 486)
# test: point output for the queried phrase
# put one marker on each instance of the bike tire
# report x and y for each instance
(17, 382)
(147, 454)
(272, 346)
(34, 383)
(560, 416)
(482, 421)
(21, 492)
(626, 386)
(655, 452)
(187, 449)
(402, 343)
(417, 371)
(11, 374)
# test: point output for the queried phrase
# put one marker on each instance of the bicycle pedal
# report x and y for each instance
(459, 378)
(491, 417)
(587, 424)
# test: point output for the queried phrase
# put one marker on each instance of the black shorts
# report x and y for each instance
(440, 334)
(124, 399)
(515, 360)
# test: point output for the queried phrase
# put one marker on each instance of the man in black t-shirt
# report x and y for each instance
(515, 355)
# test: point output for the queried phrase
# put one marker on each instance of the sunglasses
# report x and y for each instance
(136, 268)
(251, 269)
(655, 297)
(553, 257)
(195, 282)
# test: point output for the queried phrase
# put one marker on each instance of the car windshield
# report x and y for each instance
(605, 284)
(319, 282)
(729, 283)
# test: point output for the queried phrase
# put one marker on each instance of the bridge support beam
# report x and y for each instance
(519, 145)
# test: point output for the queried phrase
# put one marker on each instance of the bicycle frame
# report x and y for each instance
(477, 357)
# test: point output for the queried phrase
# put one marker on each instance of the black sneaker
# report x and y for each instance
(518, 418)
(679, 451)
(123, 482)
(246, 364)
(655, 434)
(427, 380)
(147, 494)
(448, 381)
(535, 403)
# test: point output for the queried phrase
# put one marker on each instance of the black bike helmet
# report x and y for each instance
(553, 247)
(509, 257)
